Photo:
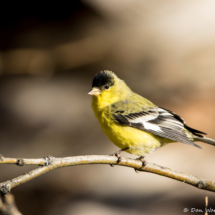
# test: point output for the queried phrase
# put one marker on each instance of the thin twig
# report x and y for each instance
(51, 163)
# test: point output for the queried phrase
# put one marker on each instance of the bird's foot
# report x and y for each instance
(142, 159)
(117, 154)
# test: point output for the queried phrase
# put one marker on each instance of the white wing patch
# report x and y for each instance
(153, 127)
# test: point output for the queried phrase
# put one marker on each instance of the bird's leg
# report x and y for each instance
(117, 154)
(142, 159)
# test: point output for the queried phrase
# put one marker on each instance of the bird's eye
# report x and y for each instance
(106, 87)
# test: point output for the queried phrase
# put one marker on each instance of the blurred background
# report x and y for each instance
(164, 50)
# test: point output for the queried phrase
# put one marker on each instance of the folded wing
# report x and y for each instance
(157, 121)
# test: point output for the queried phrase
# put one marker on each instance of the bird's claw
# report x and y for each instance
(136, 170)
(116, 154)
(142, 159)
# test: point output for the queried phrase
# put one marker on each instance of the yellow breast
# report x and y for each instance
(138, 141)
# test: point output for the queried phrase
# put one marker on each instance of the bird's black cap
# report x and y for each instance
(103, 78)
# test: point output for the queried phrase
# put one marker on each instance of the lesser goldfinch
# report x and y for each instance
(135, 124)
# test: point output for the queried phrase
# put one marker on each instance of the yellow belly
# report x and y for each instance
(139, 142)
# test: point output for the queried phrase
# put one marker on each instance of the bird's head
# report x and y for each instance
(108, 87)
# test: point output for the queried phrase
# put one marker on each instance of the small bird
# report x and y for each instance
(135, 124)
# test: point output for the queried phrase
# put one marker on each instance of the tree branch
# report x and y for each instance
(49, 163)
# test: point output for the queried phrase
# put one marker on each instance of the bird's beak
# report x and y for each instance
(95, 92)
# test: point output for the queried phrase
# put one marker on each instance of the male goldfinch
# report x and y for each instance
(135, 124)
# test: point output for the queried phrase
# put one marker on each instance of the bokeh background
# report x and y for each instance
(49, 54)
